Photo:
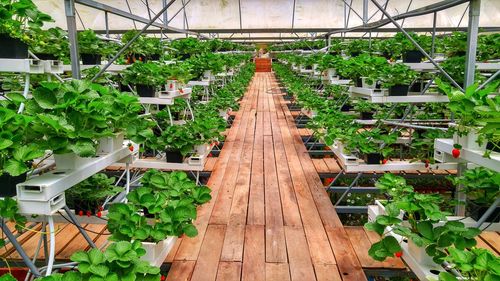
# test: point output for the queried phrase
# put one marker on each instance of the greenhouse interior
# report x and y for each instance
(281, 140)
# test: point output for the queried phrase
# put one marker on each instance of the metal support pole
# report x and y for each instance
(130, 42)
(491, 78)
(459, 195)
(353, 183)
(69, 6)
(106, 21)
(488, 212)
(473, 30)
(433, 47)
(18, 248)
(417, 45)
(293, 14)
(73, 218)
(165, 15)
(365, 12)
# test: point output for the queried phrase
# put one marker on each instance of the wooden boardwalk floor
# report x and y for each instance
(270, 217)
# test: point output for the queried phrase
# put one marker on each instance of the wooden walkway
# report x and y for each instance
(270, 217)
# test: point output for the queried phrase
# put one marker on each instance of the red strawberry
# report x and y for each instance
(99, 214)
(80, 213)
(181, 91)
(426, 163)
(131, 148)
(89, 214)
(384, 161)
(163, 278)
(210, 155)
(455, 152)
(171, 85)
(398, 254)
(101, 208)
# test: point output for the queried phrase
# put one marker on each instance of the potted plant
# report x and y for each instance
(50, 44)
(120, 261)
(76, 118)
(397, 78)
(409, 51)
(368, 144)
(169, 200)
(473, 110)
(482, 187)
(177, 141)
(424, 225)
(90, 47)
(18, 18)
(367, 109)
(145, 76)
(455, 44)
(473, 264)
(18, 147)
(88, 196)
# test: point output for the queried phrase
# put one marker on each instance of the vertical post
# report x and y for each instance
(165, 15)
(473, 30)
(106, 21)
(69, 6)
(433, 48)
(365, 12)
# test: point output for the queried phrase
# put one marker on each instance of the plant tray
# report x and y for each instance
(380, 96)
(156, 253)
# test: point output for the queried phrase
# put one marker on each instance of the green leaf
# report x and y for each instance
(190, 230)
(45, 97)
(16, 97)
(83, 148)
(387, 220)
(15, 167)
(4, 143)
(426, 230)
(96, 256)
(373, 226)
(99, 269)
(446, 276)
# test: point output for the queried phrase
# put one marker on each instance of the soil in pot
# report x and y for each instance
(367, 115)
(145, 90)
(399, 90)
(373, 158)
(413, 56)
(8, 184)
(12, 48)
(90, 59)
(174, 156)
(46, 56)
(476, 211)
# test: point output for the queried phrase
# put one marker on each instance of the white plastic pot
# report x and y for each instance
(331, 72)
(419, 254)
(173, 85)
(71, 161)
(110, 144)
(469, 141)
(157, 252)
(224, 114)
(365, 84)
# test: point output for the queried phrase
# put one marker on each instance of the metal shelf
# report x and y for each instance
(468, 155)
(427, 66)
(167, 99)
(352, 164)
(199, 83)
(111, 68)
(379, 96)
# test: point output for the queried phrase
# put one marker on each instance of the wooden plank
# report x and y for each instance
(491, 238)
(31, 244)
(209, 165)
(332, 164)
(181, 271)
(7, 250)
(482, 244)
(277, 271)
(64, 237)
(301, 267)
(229, 271)
(232, 249)
(254, 254)
(275, 233)
(348, 265)
(173, 252)
(327, 272)
(256, 214)
(208, 260)
(320, 165)
(77, 244)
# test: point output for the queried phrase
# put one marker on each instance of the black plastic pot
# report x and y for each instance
(90, 59)
(46, 56)
(174, 156)
(367, 115)
(145, 90)
(418, 86)
(147, 214)
(387, 55)
(476, 212)
(346, 107)
(359, 82)
(413, 56)
(185, 56)
(8, 184)
(12, 48)
(399, 90)
(355, 54)
(490, 146)
(154, 57)
(123, 88)
(373, 158)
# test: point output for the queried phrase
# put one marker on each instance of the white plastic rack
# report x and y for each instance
(31, 66)
(380, 96)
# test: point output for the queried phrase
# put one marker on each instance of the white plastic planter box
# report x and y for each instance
(71, 161)
(378, 209)
(224, 114)
(173, 85)
(29, 207)
(157, 252)
(469, 141)
(419, 254)
(110, 144)
(202, 149)
(365, 84)
(331, 73)
(207, 75)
